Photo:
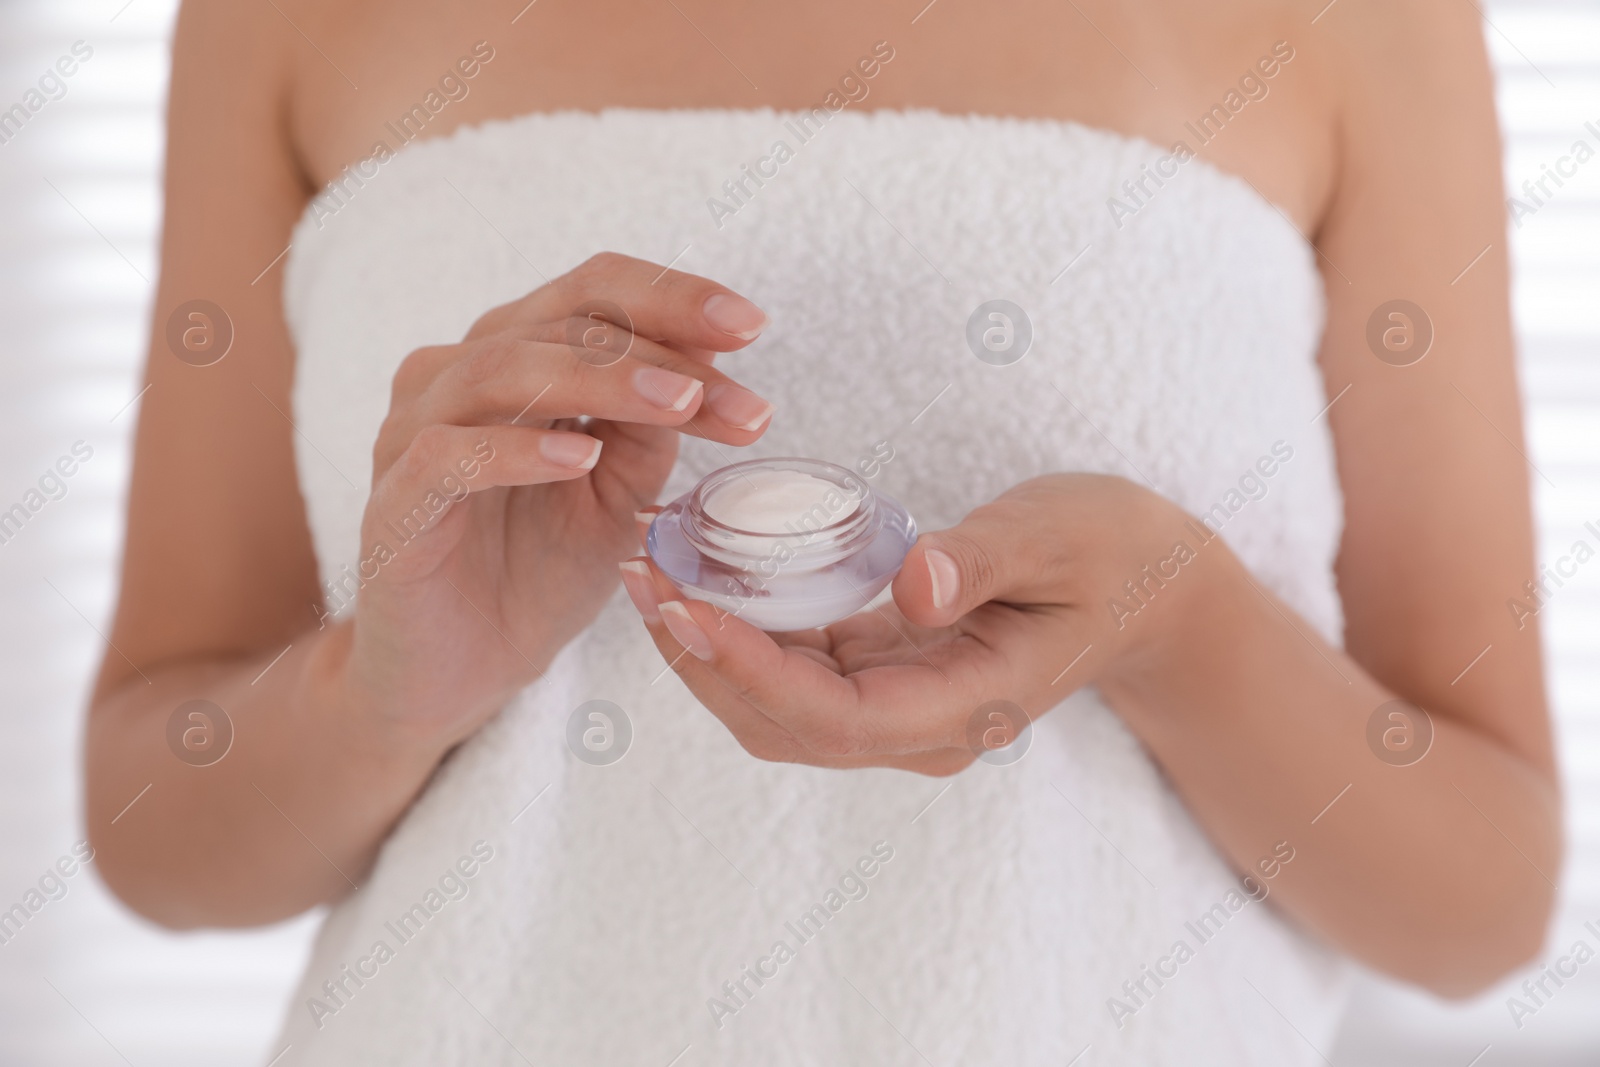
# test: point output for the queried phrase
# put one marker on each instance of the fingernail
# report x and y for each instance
(944, 576)
(570, 450)
(739, 407)
(644, 518)
(684, 630)
(641, 590)
(735, 315)
(666, 389)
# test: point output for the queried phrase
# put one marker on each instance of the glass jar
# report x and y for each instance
(784, 544)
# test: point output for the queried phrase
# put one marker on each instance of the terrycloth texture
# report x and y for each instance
(1178, 348)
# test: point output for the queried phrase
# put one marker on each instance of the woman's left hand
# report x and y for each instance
(1010, 605)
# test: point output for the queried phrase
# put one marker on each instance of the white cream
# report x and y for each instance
(779, 501)
(785, 543)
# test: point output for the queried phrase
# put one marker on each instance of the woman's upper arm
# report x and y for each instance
(218, 559)
(1438, 533)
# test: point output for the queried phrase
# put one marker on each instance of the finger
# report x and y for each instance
(764, 738)
(896, 709)
(684, 309)
(649, 590)
(735, 669)
(635, 465)
(654, 587)
(1000, 551)
(687, 648)
(418, 370)
(502, 378)
(700, 355)
(444, 465)
(642, 520)
(935, 763)
(602, 345)
(483, 457)
(420, 367)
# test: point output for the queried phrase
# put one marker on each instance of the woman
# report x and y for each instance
(1244, 537)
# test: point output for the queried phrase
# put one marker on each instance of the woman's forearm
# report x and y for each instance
(290, 816)
(511, 534)
(1440, 871)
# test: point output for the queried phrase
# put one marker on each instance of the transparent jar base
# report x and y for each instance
(813, 574)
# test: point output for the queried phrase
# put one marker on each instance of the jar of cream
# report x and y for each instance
(784, 544)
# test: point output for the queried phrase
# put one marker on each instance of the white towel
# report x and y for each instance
(1022, 904)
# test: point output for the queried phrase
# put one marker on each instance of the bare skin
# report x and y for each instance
(1378, 142)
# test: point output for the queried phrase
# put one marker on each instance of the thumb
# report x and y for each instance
(949, 573)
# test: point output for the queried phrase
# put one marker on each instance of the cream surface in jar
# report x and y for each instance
(784, 544)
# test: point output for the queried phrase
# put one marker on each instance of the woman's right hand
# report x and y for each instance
(497, 517)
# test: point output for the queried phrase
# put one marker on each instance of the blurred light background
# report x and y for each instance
(86, 983)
